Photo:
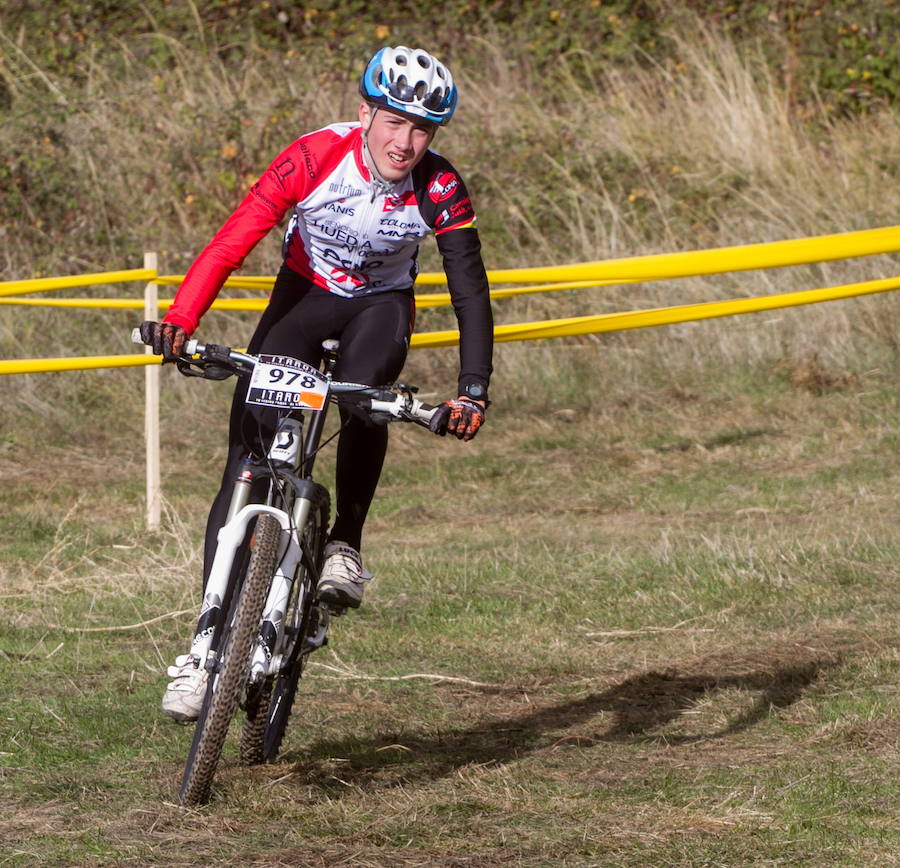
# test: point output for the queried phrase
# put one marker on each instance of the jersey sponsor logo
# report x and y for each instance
(401, 200)
(457, 210)
(396, 233)
(346, 190)
(349, 264)
(348, 280)
(336, 231)
(309, 160)
(256, 190)
(461, 209)
(330, 255)
(464, 206)
(285, 167)
(442, 186)
(340, 209)
(397, 224)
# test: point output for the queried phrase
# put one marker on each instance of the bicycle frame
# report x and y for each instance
(288, 454)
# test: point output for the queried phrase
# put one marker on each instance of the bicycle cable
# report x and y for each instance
(321, 446)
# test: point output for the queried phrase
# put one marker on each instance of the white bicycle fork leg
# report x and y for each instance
(266, 654)
(273, 612)
(229, 539)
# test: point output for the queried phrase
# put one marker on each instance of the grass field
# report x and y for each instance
(657, 627)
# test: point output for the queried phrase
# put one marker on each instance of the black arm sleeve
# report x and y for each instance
(468, 283)
(445, 204)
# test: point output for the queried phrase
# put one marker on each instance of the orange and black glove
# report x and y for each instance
(167, 339)
(461, 417)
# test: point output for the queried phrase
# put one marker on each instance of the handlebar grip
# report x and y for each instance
(190, 347)
(423, 412)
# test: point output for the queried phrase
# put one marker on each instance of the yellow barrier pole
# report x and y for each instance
(430, 299)
(718, 260)
(46, 284)
(151, 407)
(75, 363)
(636, 319)
(130, 303)
(568, 327)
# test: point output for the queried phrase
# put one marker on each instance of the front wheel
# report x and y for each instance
(225, 686)
(268, 711)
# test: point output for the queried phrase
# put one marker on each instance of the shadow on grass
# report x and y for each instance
(633, 711)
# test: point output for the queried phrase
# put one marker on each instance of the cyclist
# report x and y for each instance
(362, 196)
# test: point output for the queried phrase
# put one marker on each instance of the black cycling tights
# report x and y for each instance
(374, 333)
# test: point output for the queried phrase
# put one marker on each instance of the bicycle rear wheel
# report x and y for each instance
(224, 691)
(268, 711)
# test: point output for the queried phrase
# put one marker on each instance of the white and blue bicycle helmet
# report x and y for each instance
(411, 81)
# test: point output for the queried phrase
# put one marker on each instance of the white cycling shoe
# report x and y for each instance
(343, 578)
(184, 695)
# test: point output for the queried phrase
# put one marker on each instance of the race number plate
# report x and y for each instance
(280, 381)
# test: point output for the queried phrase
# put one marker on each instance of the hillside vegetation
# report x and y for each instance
(133, 126)
(584, 132)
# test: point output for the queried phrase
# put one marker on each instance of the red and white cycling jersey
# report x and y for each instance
(347, 234)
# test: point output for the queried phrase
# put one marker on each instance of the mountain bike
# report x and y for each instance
(260, 618)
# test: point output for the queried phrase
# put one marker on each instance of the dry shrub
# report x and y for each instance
(810, 375)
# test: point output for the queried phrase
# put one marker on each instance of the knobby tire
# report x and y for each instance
(269, 709)
(224, 691)
(253, 735)
(285, 686)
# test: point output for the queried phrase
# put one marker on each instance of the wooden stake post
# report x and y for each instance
(151, 407)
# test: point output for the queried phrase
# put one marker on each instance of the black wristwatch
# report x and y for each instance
(475, 391)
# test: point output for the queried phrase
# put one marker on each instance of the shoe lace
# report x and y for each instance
(345, 566)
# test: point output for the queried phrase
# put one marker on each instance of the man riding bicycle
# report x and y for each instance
(362, 198)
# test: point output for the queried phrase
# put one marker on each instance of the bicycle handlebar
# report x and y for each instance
(386, 402)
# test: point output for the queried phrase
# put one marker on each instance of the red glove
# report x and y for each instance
(461, 417)
(167, 339)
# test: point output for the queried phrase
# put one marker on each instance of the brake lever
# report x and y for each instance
(208, 371)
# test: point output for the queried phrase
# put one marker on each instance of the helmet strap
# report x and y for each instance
(381, 184)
